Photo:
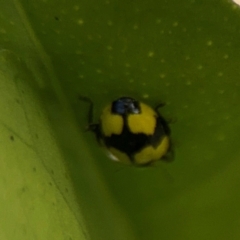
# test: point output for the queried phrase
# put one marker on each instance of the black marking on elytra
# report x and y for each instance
(160, 131)
(127, 142)
(131, 143)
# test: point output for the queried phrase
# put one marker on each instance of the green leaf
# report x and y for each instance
(38, 199)
(183, 53)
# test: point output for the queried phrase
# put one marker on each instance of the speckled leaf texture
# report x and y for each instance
(56, 183)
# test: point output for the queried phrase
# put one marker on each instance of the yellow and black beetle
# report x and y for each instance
(132, 132)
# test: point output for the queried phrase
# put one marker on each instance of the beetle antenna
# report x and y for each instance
(90, 111)
(162, 104)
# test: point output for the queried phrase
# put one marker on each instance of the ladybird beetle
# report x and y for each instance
(132, 132)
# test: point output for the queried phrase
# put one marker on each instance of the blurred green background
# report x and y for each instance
(185, 53)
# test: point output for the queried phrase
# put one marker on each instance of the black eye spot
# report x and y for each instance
(12, 138)
(56, 18)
